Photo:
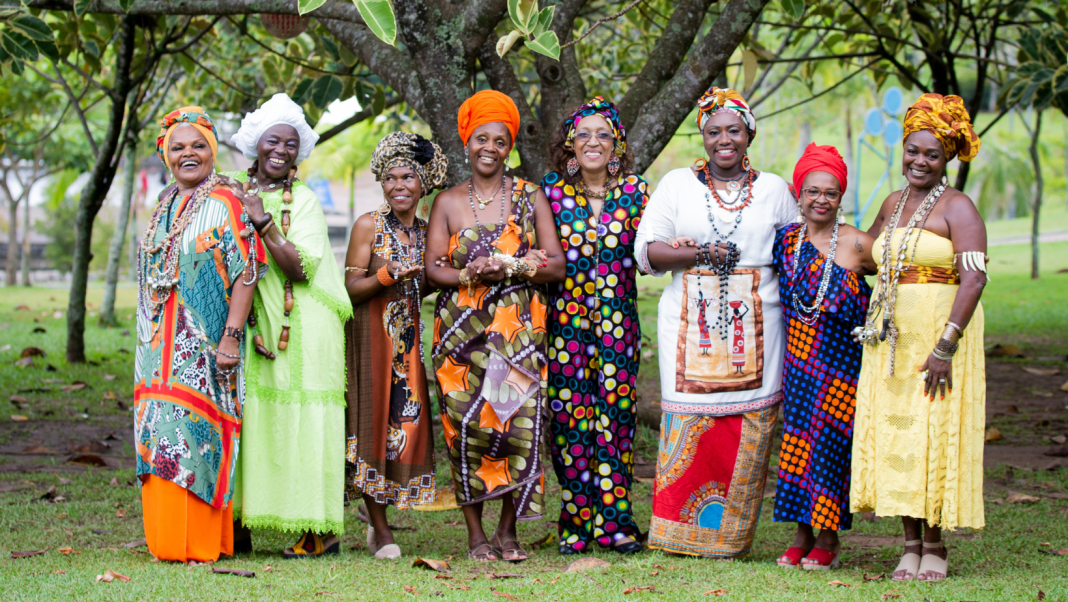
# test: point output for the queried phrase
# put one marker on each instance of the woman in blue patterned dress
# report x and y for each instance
(820, 261)
(594, 334)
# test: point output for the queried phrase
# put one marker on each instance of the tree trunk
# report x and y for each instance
(1036, 204)
(118, 238)
(11, 266)
(94, 192)
(24, 272)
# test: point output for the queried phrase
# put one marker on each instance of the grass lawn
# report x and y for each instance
(85, 532)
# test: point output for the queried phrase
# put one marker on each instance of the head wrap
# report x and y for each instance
(194, 116)
(819, 158)
(278, 110)
(401, 149)
(604, 108)
(948, 120)
(487, 106)
(716, 99)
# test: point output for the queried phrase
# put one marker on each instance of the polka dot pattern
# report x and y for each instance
(594, 351)
(819, 388)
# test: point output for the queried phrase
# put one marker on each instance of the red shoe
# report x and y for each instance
(822, 560)
(791, 559)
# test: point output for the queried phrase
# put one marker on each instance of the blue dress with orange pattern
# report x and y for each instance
(594, 351)
(819, 386)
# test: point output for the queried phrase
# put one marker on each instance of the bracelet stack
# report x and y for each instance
(384, 277)
(236, 333)
(516, 266)
(948, 344)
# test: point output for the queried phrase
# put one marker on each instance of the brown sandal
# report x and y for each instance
(511, 551)
(483, 553)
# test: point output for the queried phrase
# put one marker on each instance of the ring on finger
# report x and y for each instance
(941, 381)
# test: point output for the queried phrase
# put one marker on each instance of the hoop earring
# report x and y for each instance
(572, 166)
(613, 165)
(746, 165)
(384, 209)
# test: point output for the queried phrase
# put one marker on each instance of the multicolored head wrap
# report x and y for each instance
(819, 158)
(604, 108)
(401, 149)
(194, 116)
(716, 99)
(487, 106)
(948, 120)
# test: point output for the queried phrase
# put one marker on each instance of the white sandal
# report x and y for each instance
(372, 541)
(389, 551)
(909, 563)
(932, 563)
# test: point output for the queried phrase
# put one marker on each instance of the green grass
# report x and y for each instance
(1001, 562)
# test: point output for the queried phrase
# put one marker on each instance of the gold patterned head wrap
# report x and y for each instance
(948, 120)
(401, 149)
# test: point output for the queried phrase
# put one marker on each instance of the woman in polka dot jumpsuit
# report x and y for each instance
(594, 344)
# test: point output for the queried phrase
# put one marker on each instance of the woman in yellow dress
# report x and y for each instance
(918, 439)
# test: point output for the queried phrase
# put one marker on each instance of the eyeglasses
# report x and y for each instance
(601, 137)
(814, 193)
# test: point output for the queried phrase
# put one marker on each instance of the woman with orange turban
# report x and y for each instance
(821, 261)
(497, 240)
(196, 279)
(918, 443)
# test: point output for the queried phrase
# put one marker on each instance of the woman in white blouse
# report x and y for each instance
(720, 335)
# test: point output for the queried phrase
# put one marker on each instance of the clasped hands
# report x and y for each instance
(488, 269)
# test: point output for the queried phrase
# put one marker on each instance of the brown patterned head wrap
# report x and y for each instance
(401, 149)
(948, 120)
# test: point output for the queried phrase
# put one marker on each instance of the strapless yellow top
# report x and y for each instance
(933, 251)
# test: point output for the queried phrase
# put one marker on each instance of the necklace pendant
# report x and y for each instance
(734, 186)
(481, 205)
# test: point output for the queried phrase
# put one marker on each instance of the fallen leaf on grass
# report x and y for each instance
(50, 494)
(135, 544)
(716, 592)
(585, 564)
(1041, 595)
(1045, 544)
(59, 572)
(66, 550)
(27, 553)
(22, 307)
(639, 588)
(1060, 552)
(504, 576)
(443, 576)
(1041, 371)
(838, 583)
(18, 418)
(1059, 439)
(1064, 387)
(1016, 497)
(110, 377)
(101, 531)
(505, 595)
(61, 515)
(993, 434)
(549, 539)
(1004, 351)
(654, 573)
(63, 481)
(110, 576)
(868, 577)
(19, 400)
(77, 385)
(410, 589)
(39, 449)
(87, 460)
(891, 595)
(120, 513)
(429, 563)
(33, 352)
(236, 572)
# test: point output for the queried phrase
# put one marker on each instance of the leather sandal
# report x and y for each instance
(791, 558)
(932, 564)
(372, 541)
(820, 559)
(628, 547)
(483, 553)
(313, 544)
(510, 550)
(909, 564)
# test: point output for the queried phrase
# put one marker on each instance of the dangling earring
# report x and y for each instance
(572, 166)
(745, 162)
(841, 216)
(467, 155)
(172, 176)
(800, 216)
(384, 209)
(945, 180)
(613, 165)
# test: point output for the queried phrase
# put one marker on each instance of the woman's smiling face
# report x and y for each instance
(488, 148)
(189, 156)
(924, 160)
(725, 139)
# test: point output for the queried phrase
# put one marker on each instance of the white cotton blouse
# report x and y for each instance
(701, 373)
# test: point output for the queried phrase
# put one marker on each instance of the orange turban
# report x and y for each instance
(487, 106)
(948, 120)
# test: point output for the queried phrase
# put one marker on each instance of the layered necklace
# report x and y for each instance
(478, 224)
(811, 314)
(482, 202)
(705, 254)
(289, 302)
(744, 199)
(891, 271)
(407, 255)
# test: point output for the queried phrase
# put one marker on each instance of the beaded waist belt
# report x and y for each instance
(926, 275)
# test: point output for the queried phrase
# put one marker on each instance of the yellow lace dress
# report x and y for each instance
(913, 457)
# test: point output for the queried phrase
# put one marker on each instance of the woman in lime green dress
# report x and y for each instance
(291, 468)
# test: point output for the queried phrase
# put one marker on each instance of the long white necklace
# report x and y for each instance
(811, 314)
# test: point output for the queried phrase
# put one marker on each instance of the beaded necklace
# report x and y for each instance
(811, 315)
(745, 198)
(253, 187)
(890, 274)
(478, 224)
(407, 255)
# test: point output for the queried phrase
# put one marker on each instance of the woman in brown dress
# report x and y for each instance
(390, 452)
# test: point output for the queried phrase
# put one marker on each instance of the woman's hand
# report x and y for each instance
(939, 374)
(443, 262)
(401, 273)
(681, 241)
(228, 346)
(486, 269)
(253, 204)
(540, 257)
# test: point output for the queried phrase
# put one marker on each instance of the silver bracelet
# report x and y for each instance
(938, 354)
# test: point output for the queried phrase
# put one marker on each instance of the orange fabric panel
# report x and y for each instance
(181, 527)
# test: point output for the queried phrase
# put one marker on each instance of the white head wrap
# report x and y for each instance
(280, 109)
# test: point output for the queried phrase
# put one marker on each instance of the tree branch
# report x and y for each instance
(602, 21)
(342, 10)
(393, 66)
(815, 96)
(73, 100)
(364, 114)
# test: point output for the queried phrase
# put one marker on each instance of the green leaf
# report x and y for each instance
(330, 46)
(18, 45)
(793, 8)
(506, 42)
(547, 43)
(187, 64)
(17, 67)
(90, 47)
(379, 103)
(545, 19)
(302, 91)
(1060, 79)
(749, 65)
(81, 7)
(271, 73)
(378, 14)
(325, 90)
(346, 56)
(306, 6)
(349, 89)
(522, 13)
(48, 48)
(32, 27)
(126, 5)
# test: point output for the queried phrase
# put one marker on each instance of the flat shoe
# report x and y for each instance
(631, 547)
(389, 551)
(932, 563)
(510, 551)
(312, 544)
(372, 541)
(791, 558)
(483, 553)
(909, 564)
(566, 550)
(820, 559)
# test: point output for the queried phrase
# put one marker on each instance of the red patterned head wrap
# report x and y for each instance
(819, 158)
(487, 106)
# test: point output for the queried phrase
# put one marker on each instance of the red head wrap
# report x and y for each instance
(819, 158)
(487, 106)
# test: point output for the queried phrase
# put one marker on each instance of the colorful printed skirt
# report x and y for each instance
(710, 482)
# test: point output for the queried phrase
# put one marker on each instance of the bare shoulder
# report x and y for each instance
(850, 232)
(957, 203)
